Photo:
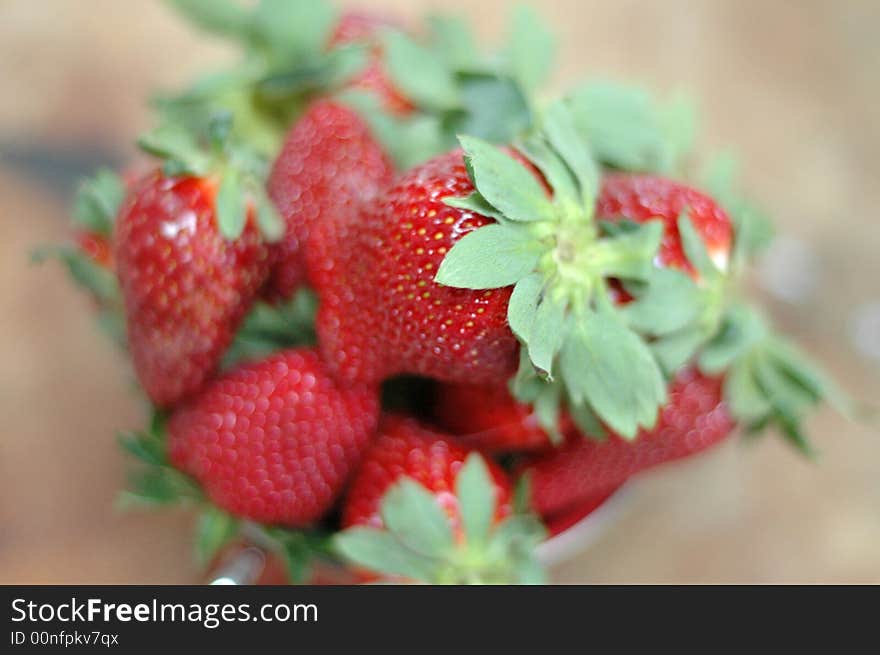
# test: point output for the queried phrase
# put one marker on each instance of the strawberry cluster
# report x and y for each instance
(389, 306)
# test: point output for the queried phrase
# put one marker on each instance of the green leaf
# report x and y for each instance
(474, 203)
(622, 126)
(230, 205)
(97, 202)
(555, 171)
(93, 277)
(143, 447)
(380, 551)
(548, 331)
(741, 329)
(675, 349)
(547, 411)
(409, 141)
(222, 17)
(670, 301)
(694, 247)
(587, 422)
(514, 542)
(295, 550)
(173, 142)
(526, 385)
(476, 498)
(453, 40)
(271, 224)
(609, 366)
(294, 31)
(523, 304)
(419, 73)
(565, 139)
(490, 257)
(630, 254)
(522, 494)
(213, 531)
(531, 48)
(504, 182)
(744, 396)
(412, 514)
(492, 108)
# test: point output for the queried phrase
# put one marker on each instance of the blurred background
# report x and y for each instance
(791, 87)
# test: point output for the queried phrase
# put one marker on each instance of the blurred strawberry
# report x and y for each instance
(329, 165)
(186, 286)
(358, 27)
(274, 441)
(694, 419)
(422, 508)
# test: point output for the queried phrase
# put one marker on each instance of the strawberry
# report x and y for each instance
(381, 312)
(185, 286)
(424, 508)
(694, 419)
(362, 27)
(490, 418)
(405, 448)
(328, 165)
(642, 198)
(274, 441)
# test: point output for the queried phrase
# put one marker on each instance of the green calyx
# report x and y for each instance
(456, 88)
(628, 130)
(97, 203)
(679, 312)
(558, 260)
(210, 150)
(268, 328)
(419, 543)
(768, 382)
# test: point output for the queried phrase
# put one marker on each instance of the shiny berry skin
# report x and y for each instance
(329, 164)
(362, 27)
(274, 441)
(641, 198)
(185, 287)
(406, 448)
(694, 419)
(381, 312)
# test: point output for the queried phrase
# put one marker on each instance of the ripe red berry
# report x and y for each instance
(382, 313)
(186, 288)
(694, 418)
(406, 448)
(329, 165)
(274, 441)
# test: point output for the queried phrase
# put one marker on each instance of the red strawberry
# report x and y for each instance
(406, 448)
(490, 418)
(641, 198)
(328, 165)
(382, 313)
(424, 508)
(186, 288)
(274, 441)
(694, 419)
(354, 27)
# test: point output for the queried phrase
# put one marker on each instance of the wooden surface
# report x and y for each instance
(791, 86)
